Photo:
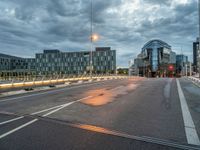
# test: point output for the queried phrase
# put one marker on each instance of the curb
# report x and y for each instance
(194, 81)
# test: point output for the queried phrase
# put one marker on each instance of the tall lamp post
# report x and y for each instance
(93, 38)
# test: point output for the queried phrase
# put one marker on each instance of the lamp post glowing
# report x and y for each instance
(93, 38)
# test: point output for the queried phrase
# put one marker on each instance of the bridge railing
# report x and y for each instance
(45, 80)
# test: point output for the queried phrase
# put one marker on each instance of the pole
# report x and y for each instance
(186, 70)
(91, 38)
(190, 69)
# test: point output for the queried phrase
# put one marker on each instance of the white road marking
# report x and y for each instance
(41, 111)
(190, 130)
(65, 105)
(18, 128)
(11, 120)
(34, 120)
(167, 89)
(48, 92)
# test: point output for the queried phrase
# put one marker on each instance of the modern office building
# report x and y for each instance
(135, 67)
(13, 66)
(52, 62)
(5, 62)
(155, 58)
(55, 62)
(172, 58)
(181, 61)
(30, 64)
(196, 55)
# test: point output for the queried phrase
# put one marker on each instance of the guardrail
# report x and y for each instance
(56, 81)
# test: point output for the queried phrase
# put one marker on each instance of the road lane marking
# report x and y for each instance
(190, 130)
(41, 111)
(18, 128)
(107, 131)
(167, 89)
(65, 105)
(11, 120)
(48, 92)
(34, 120)
(35, 113)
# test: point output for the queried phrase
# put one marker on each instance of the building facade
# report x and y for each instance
(13, 66)
(5, 62)
(172, 57)
(155, 58)
(181, 63)
(52, 62)
(196, 55)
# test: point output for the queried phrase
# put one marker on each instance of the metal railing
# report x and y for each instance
(48, 80)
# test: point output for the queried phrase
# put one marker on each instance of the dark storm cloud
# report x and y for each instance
(181, 24)
(28, 26)
(160, 2)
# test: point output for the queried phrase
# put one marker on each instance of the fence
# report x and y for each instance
(44, 80)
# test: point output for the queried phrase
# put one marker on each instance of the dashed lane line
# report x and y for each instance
(34, 120)
(11, 120)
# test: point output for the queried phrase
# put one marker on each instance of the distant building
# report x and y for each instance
(12, 65)
(181, 61)
(56, 62)
(172, 58)
(138, 63)
(155, 58)
(196, 54)
(133, 70)
(31, 64)
(5, 62)
(52, 62)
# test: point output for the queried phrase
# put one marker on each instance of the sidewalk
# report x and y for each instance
(195, 80)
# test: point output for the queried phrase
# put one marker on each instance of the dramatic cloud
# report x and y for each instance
(29, 26)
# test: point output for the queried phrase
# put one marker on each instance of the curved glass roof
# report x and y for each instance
(158, 42)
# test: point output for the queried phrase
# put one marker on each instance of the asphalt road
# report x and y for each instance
(146, 114)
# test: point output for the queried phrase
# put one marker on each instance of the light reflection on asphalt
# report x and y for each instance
(103, 96)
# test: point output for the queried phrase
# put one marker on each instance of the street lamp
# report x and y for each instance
(93, 38)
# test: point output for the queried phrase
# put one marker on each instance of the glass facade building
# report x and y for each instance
(15, 66)
(181, 61)
(156, 52)
(156, 56)
(56, 62)
(13, 63)
(196, 55)
(52, 62)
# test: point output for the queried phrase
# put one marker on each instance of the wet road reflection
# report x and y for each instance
(103, 96)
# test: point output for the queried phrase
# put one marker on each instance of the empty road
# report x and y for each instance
(134, 113)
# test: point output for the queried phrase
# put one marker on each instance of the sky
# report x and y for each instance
(29, 26)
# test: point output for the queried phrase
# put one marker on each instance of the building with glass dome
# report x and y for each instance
(155, 58)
